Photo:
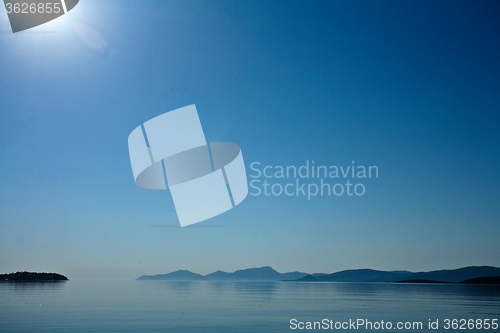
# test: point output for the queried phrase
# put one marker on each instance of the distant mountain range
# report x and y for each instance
(355, 275)
(250, 274)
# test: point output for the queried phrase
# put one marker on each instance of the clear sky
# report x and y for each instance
(412, 87)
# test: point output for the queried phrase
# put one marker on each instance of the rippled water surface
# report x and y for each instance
(166, 306)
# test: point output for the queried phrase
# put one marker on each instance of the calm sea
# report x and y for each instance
(166, 306)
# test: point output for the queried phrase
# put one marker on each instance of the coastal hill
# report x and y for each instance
(483, 280)
(250, 274)
(479, 280)
(32, 277)
(370, 275)
(358, 275)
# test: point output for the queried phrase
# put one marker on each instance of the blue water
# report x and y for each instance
(166, 306)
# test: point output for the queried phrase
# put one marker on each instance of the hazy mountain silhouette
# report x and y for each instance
(250, 274)
(177, 275)
(354, 275)
(457, 275)
(358, 275)
(262, 273)
(370, 275)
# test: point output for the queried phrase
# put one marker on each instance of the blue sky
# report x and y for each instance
(411, 87)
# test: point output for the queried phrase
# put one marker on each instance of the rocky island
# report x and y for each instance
(32, 277)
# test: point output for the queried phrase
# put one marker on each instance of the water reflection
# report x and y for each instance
(181, 288)
(187, 306)
(32, 288)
